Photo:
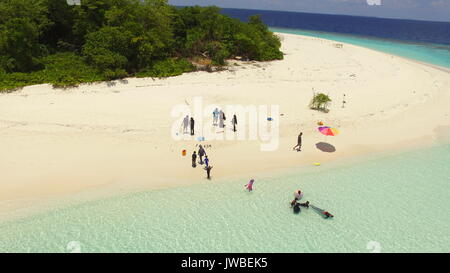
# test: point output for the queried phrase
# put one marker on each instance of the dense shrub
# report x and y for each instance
(167, 68)
(48, 41)
(320, 102)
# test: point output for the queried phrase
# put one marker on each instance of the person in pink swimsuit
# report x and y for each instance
(249, 186)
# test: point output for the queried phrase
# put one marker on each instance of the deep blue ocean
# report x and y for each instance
(403, 30)
(423, 41)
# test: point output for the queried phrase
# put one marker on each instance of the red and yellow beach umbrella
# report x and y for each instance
(328, 131)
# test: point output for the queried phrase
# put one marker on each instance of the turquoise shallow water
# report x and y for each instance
(429, 53)
(401, 202)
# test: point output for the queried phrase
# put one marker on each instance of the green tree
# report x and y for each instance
(108, 48)
(19, 45)
(109, 39)
(320, 102)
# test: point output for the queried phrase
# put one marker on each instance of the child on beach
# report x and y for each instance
(206, 161)
(249, 185)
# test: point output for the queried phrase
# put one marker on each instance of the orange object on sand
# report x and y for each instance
(183, 153)
(320, 123)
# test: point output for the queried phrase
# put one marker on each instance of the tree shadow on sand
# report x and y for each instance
(325, 147)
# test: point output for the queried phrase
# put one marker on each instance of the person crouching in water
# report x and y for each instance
(298, 194)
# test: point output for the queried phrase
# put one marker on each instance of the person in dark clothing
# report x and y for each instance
(194, 158)
(208, 171)
(192, 123)
(296, 208)
(234, 122)
(299, 143)
(306, 204)
(201, 154)
(294, 202)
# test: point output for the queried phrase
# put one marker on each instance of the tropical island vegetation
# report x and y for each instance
(49, 41)
(320, 102)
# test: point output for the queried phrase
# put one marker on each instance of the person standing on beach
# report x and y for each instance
(215, 116)
(194, 158)
(221, 119)
(192, 123)
(208, 171)
(185, 124)
(201, 154)
(299, 143)
(206, 161)
(234, 122)
(249, 185)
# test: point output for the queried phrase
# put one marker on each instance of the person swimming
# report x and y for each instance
(324, 213)
(327, 214)
(249, 185)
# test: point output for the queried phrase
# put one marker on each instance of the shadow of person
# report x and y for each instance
(325, 147)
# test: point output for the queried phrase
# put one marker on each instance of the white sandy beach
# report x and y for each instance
(56, 142)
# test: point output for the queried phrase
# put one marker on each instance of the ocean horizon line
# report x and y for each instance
(328, 14)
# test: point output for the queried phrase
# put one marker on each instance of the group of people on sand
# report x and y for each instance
(219, 119)
(188, 123)
(201, 154)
